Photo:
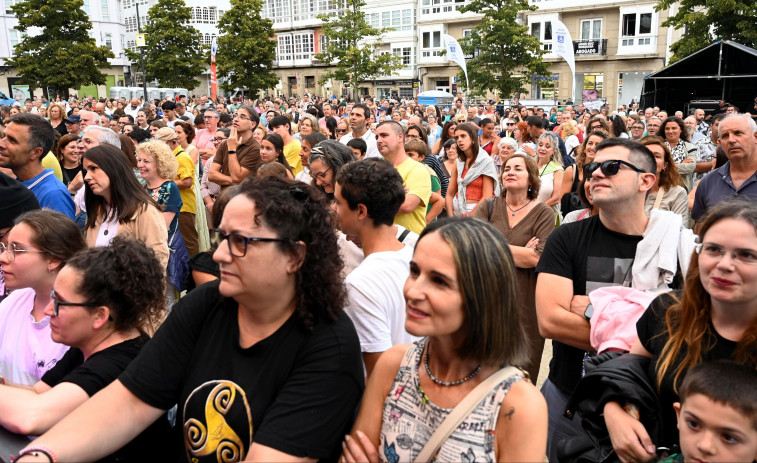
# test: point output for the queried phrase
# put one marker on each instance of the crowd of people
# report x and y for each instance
(321, 279)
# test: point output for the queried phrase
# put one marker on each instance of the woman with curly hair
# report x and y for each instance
(264, 364)
(99, 306)
(715, 317)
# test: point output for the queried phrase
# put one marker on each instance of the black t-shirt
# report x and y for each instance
(101, 369)
(593, 257)
(652, 331)
(293, 391)
(70, 174)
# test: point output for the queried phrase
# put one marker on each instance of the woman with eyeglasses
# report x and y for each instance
(326, 158)
(98, 306)
(264, 364)
(34, 250)
(713, 318)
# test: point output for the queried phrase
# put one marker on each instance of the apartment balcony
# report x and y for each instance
(596, 47)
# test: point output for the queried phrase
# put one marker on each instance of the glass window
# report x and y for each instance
(105, 10)
(629, 25)
(426, 40)
(591, 29)
(385, 19)
(437, 39)
(547, 31)
(536, 30)
(109, 41)
(597, 29)
(396, 18)
(645, 23)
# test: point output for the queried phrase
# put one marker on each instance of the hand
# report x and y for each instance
(578, 304)
(209, 203)
(358, 450)
(687, 161)
(234, 140)
(76, 183)
(629, 438)
(532, 243)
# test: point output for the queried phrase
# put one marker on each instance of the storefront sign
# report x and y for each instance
(394, 82)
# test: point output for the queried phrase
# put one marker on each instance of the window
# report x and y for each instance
(105, 10)
(373, 20)
(9, 4)
(276, 11)
(591, 29)
(432, 44)
(303, 46)
(635, 27)
(406, 53)
(131, 24)
(543, 31)
(407, 20)
(119, 7)
(15, 38)
(286, 49)
(132, 45)
(385, 19)
(108, 41)
(309, 81)
(406, 92)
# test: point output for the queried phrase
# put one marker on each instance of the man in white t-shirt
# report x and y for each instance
(368, 195)
(358, 117)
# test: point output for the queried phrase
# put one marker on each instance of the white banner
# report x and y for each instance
(455, 54)
(562, 45)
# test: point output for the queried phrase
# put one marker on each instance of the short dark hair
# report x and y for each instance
(251, 111)
(280, 120)
(485, 121)
(357, 143)
(535, 121)
(639, 154)
(128, 116)
(376, 184)
(364, 107)
(41, 133)
(139, 135)
(169, 105)
(725, 382)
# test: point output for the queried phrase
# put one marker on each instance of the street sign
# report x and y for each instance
(141, 40)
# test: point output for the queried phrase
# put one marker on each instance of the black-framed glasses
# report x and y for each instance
(321, 175)
(218, 140)
(595, 127)
(57, 303)
(12, 249)
(608, 168)
(341, 130)
(237, 243)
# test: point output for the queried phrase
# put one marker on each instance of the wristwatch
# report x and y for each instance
(589, 312)
(232, 152)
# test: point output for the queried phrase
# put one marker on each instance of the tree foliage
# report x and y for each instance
(245, 48)
(174, 54)
(708, 20)
(355, 59)
(61, 55)
(501, 48)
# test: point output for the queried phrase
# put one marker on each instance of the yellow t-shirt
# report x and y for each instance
(50, 162)
(186, 170)
(292, 153)
(417, 181)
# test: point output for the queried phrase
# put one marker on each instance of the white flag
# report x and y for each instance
(562, 45)
(455, 53)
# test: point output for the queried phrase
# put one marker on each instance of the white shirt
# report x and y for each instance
(370, 141)
(376, 303)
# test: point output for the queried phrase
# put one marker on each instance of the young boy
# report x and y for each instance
(418, 150)
(358, 147)
(717, 415)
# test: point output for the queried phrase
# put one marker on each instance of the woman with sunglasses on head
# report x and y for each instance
(713, 318)
(97, 306)
(574, 174)
(264, 364)
(33, 251)
(326, 158)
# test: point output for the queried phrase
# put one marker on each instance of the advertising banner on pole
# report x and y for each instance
(562, 45)
(213, 81)
(455, 54)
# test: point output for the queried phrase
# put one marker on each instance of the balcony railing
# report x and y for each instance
(596, 47)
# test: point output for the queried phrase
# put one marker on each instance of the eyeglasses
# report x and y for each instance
(218, 140)
(637, 127)
(12, 249)
(237, 243)
(341, 130)
(608, 168)
(57, 304)
(321, 175)
(595, 127)
(412, 137)
(241, 116)
(715, 251)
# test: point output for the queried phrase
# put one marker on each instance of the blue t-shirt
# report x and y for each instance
(168, 196)
(51, 193)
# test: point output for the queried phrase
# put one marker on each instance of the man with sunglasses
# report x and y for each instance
(597, 252)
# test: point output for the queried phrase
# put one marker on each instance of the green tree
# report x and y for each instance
(501, 48)
(245, 48)
(355, 62)
(174, 54)
(62, 55)
(707, 21)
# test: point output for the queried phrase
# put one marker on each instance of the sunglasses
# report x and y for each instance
(608, 168)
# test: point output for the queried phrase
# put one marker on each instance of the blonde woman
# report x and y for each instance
(569, 131)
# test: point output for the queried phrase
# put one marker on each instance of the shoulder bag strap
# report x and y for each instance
(403, 235)
(461, 411)
(658, 199)
(490, 205)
